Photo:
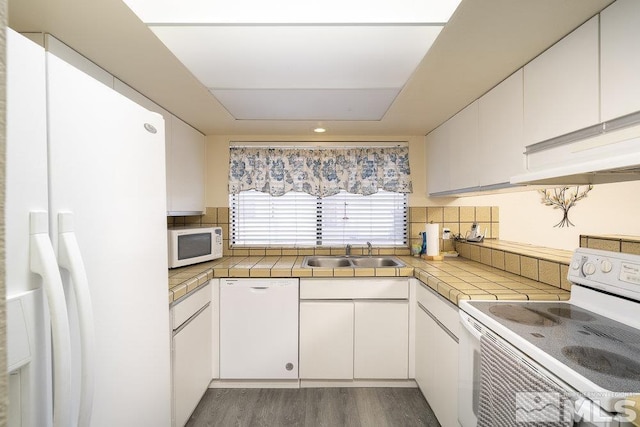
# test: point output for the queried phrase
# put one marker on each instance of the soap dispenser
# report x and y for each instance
(424, 242)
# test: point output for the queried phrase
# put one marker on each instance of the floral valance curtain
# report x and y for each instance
(320, 172)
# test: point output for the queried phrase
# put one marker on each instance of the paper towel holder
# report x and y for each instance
(434, 237)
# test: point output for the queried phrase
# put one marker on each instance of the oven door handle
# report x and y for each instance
(471, 325)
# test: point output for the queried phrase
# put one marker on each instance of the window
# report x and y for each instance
(299, 219)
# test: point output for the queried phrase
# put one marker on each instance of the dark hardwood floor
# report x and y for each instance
(366, 407)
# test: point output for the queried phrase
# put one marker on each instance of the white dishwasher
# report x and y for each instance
(259, 328)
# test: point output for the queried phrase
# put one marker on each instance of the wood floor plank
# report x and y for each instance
(327, 407)
(313, 407)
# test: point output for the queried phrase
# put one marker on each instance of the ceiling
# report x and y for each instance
(482, 44)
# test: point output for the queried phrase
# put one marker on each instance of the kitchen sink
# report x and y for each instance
(326, 261)
(351, 261)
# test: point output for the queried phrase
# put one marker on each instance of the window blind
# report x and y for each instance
(299, 219)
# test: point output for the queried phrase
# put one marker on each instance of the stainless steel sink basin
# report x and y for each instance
(376, 262)
(326, 261)
(351, 261)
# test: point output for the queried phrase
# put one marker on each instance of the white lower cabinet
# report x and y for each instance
(381, 340)
(191, 352)
(357, 330)
(436, 350)
(326, 340)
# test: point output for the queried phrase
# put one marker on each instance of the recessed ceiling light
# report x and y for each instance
(319, 130)
(282, 60)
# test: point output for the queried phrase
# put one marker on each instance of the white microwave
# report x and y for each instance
(191, 245)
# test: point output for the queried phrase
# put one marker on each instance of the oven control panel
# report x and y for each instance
(613, 272)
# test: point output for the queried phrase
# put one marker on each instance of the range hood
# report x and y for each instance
(604, 153)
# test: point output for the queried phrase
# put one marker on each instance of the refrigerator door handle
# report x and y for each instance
(42, 261)
(70, 258)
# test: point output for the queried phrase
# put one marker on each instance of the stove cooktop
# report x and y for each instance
(600, 349)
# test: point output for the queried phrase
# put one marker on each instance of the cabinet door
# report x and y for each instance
(326, 340)
(445, 386)
(620, 59)
(425, 354)
(191, 365)
(185, 179)
(561, 86)
(464, 150)
(381, 340)
(437, 368)
(500, 128)
(438, 160)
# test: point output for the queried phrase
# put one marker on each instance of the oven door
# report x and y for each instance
(469, 370)
(585, 412)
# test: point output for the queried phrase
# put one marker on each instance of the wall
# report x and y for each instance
(3, 322)
(608, 209)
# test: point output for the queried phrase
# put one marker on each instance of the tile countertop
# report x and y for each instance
(453, 278)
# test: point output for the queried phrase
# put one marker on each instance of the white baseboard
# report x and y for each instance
(217, 383)
(357, 383)
(255, 384)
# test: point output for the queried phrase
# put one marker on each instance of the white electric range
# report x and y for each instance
(556, 363)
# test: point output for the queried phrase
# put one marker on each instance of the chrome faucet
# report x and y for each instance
(348, 250)
(369, 247)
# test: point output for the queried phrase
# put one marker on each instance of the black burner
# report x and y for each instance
(603, 361)
(571, 313)
(523, 315)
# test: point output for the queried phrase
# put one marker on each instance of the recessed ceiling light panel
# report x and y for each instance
(299, 104)
(293, 11)
(293, 60)
(309, 57)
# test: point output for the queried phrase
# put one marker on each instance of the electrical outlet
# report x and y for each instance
(446, 234)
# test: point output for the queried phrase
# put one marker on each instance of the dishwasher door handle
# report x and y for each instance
(259, 289)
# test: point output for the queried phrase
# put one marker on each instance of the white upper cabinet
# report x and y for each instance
(561, 86)
(453, 153)
(501, 122)
(185, 170)
(620, 59)
(184, 151)
(464, 161)
(438, 160)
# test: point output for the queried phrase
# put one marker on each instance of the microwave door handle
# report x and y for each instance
(70, 258)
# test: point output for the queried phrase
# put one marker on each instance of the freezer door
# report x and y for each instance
(26, 191)
(107, 167)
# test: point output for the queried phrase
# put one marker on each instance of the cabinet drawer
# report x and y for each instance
(187, 307)
(442, 309)
(365, 288)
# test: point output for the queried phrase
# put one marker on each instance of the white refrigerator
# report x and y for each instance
(86, 253)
